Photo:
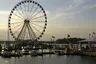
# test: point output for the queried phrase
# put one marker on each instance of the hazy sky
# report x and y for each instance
(74, 17)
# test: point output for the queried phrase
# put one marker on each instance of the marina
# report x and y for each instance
(48, 32)
(65, 50)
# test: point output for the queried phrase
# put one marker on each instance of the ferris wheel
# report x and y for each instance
(27, 21)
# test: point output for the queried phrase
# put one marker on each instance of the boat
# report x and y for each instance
(25, 52)
(16, 53)
(36, 53)
(63, 52)
(59, 52)
(33, 53)
(6, 54)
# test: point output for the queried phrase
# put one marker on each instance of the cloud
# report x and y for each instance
(52, 16)
(89, 6)
(67, 13)
(59, 15)
(72, 10)
(78, 2)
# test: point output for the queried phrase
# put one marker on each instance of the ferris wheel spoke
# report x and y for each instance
(28, 7)
(17, 16)
(37, 21)
(16, 26)
(27, 10)
(20, 34)
(34, 11)
(32, 31)
(35, 28)
(37, 17)
(37, 25)
(16, 22)
(33, 35)
(22, 10)
(32, 7)
(17, 30)
(36, 14)
(30, 35)
(24, 32)
(19, 13)
(16, 19)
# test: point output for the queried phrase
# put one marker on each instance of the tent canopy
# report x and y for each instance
(90, 39)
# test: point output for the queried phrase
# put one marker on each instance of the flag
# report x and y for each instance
(94, 33)
(89, 35)
(53, 37)
(68, 35)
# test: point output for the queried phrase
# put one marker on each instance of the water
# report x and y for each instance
(49, 59)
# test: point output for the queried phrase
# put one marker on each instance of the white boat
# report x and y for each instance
(34, 53)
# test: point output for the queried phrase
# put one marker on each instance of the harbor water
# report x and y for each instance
(49, 59)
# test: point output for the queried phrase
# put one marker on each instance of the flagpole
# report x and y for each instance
(68, 36)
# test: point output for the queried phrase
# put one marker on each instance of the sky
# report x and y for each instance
(74, 17)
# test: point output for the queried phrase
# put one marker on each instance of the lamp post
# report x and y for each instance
(53, 40)
(70, 44)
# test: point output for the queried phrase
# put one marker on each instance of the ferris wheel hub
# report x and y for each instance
(26, 21)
